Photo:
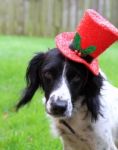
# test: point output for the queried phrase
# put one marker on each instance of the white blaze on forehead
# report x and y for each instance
(62, 93)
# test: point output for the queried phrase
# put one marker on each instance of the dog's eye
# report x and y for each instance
(75, 78)
(48, 75)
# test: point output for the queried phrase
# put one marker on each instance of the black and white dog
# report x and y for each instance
(83, 107)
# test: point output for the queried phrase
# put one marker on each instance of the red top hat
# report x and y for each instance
(93, 36)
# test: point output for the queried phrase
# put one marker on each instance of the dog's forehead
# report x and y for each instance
(53, 60)
(76, 67)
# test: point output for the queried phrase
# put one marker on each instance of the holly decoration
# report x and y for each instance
(76, 45)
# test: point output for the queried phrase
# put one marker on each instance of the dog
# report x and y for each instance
(83, 107)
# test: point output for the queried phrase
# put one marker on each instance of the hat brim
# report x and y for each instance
(63, 41)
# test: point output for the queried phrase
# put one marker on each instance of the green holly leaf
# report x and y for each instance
(89, 50)
(76, 42)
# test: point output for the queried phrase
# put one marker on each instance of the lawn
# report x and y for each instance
(29, 128)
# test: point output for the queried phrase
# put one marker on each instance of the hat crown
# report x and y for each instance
(96, 30)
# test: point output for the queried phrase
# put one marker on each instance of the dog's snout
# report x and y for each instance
(58, 107)
(59, 104)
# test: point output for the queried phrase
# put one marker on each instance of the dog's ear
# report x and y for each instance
(33, 79)
(92, 93)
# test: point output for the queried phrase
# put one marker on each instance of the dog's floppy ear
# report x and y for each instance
(33, 79)
(92, 92)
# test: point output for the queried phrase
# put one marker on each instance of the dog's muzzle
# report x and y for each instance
(58, 107)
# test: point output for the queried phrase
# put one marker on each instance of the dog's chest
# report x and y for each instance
(82, 137)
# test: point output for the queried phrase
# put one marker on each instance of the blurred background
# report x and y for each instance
(49, 17)
(28, 27)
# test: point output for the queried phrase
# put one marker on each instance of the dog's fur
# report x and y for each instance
(83, 107)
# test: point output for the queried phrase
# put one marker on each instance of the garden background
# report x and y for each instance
(27, 27)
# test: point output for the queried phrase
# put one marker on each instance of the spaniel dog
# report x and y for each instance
(82, 106)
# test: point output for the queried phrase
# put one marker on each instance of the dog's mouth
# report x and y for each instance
(56, 114)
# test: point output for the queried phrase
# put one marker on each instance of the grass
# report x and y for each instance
(29, 128)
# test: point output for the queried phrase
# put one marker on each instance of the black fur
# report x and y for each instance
(33, 79)
(92, 92)
(44, 71)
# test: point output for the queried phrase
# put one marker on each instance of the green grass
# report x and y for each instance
(109, 63)
(29, 128)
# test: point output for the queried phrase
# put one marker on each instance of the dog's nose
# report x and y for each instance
(58, 107)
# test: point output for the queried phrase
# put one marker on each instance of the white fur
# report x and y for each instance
(63, 93)
(99, 135)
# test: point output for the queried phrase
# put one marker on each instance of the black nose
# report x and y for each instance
(58, 107)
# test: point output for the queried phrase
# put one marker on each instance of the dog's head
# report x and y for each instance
(63, 82)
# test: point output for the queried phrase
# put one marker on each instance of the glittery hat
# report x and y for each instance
(93, 36)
